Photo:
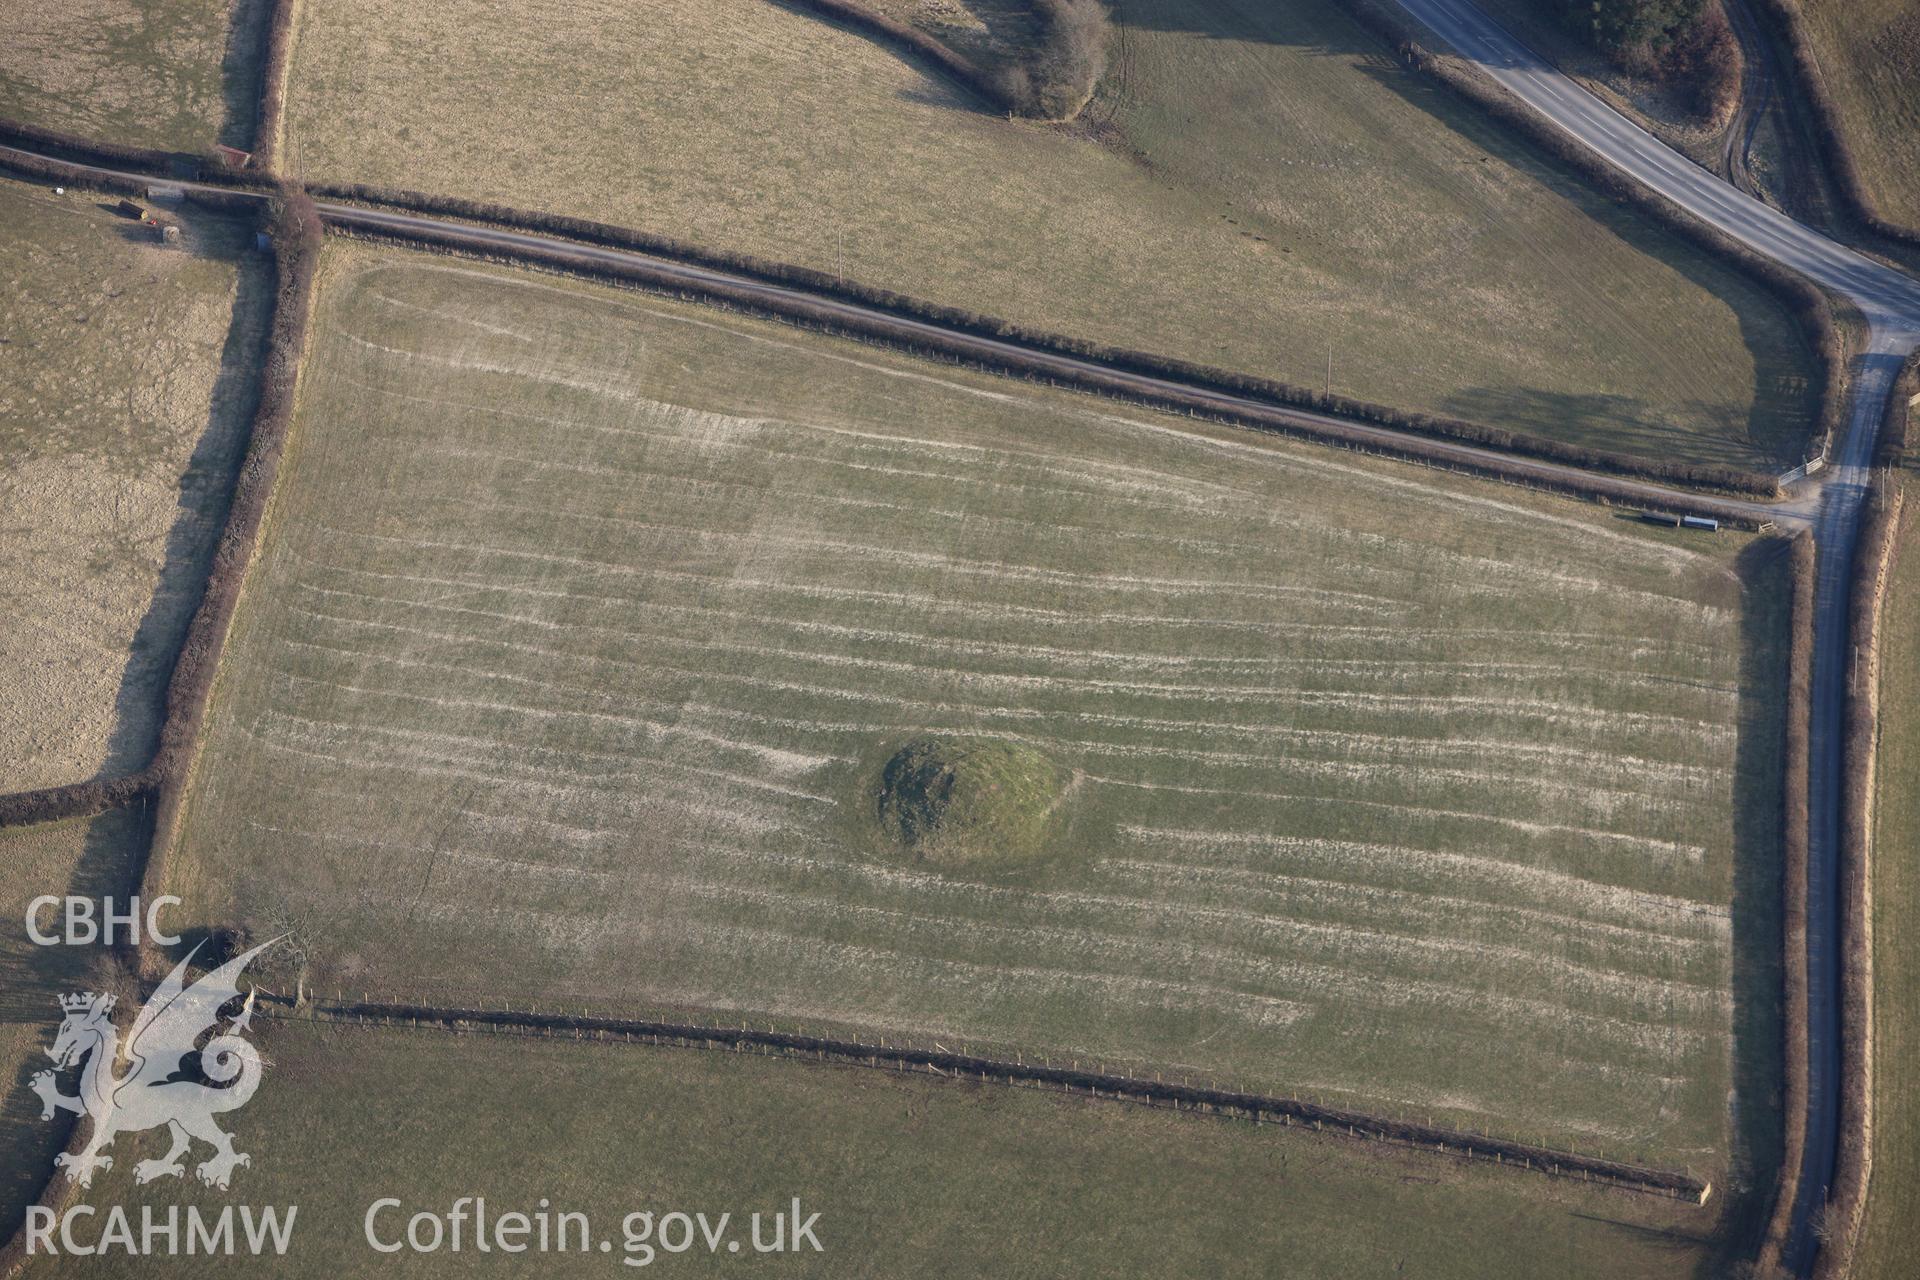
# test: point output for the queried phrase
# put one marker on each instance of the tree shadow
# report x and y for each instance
(951, 92)
(1682, 1241)
(1758, 1062)
(243, 69)
(1625, 424)
(1596, 419)
(1300, 23)
(1777, 372)
(1780, 412)
(205, 488)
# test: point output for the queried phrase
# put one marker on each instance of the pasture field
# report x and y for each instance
(1892, 1230)
(91, 857)
(125, 383)
(176, 74)
(1259, 187)
(586, 623)
(910, 1176)
(1869, 52)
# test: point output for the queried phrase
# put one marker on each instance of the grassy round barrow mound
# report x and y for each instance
(968, 802)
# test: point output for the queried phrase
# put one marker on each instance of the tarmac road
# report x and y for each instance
(1795, 511)
(1890, 301)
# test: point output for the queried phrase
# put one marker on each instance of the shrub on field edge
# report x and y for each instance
(1058, 77)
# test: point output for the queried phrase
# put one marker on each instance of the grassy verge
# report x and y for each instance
(909, 1176)
(1891, 1232)
(592, 620)
(1869, 52)
(1315, 202)
(125, 383)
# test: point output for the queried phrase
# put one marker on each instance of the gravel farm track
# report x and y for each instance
(1831, 504)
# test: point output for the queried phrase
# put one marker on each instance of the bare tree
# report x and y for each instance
(1067, 61)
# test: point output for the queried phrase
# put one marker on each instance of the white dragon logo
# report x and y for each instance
(148, 1094)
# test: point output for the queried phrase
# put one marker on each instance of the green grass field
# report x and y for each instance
(152, 73)
(1260, 186)
(586, 623)
(1869, 53)
(1892, 1231)
(87, 857)
(910, 1176)
(126, 376)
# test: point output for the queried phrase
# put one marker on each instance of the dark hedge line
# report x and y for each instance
(963, 348)
(1899, 417)
(1809, 307)
(67, 146)
(1723, 478)
(1567, 1164)
(1846, 1198)
(1786, 23)
(164, 166)
(1795, 781)
(296, 230)
(74, 800)
(273, 84)
(84, 799)
(41, 169)
(248, 201)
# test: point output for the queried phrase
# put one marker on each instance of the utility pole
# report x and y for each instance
(1329, 368)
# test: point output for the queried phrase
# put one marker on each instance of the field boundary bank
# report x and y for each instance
(1846, 1198)
(173, 166)
(1860, 734)
(276, 59)
(1786, 25)
(1253, 1107)
(95, 796)
(1794, 872)
(1734, 481)
(294, 240)
(1808, 305)
(295, 244)
(153, 165)
(962, 349)
(77, 799)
